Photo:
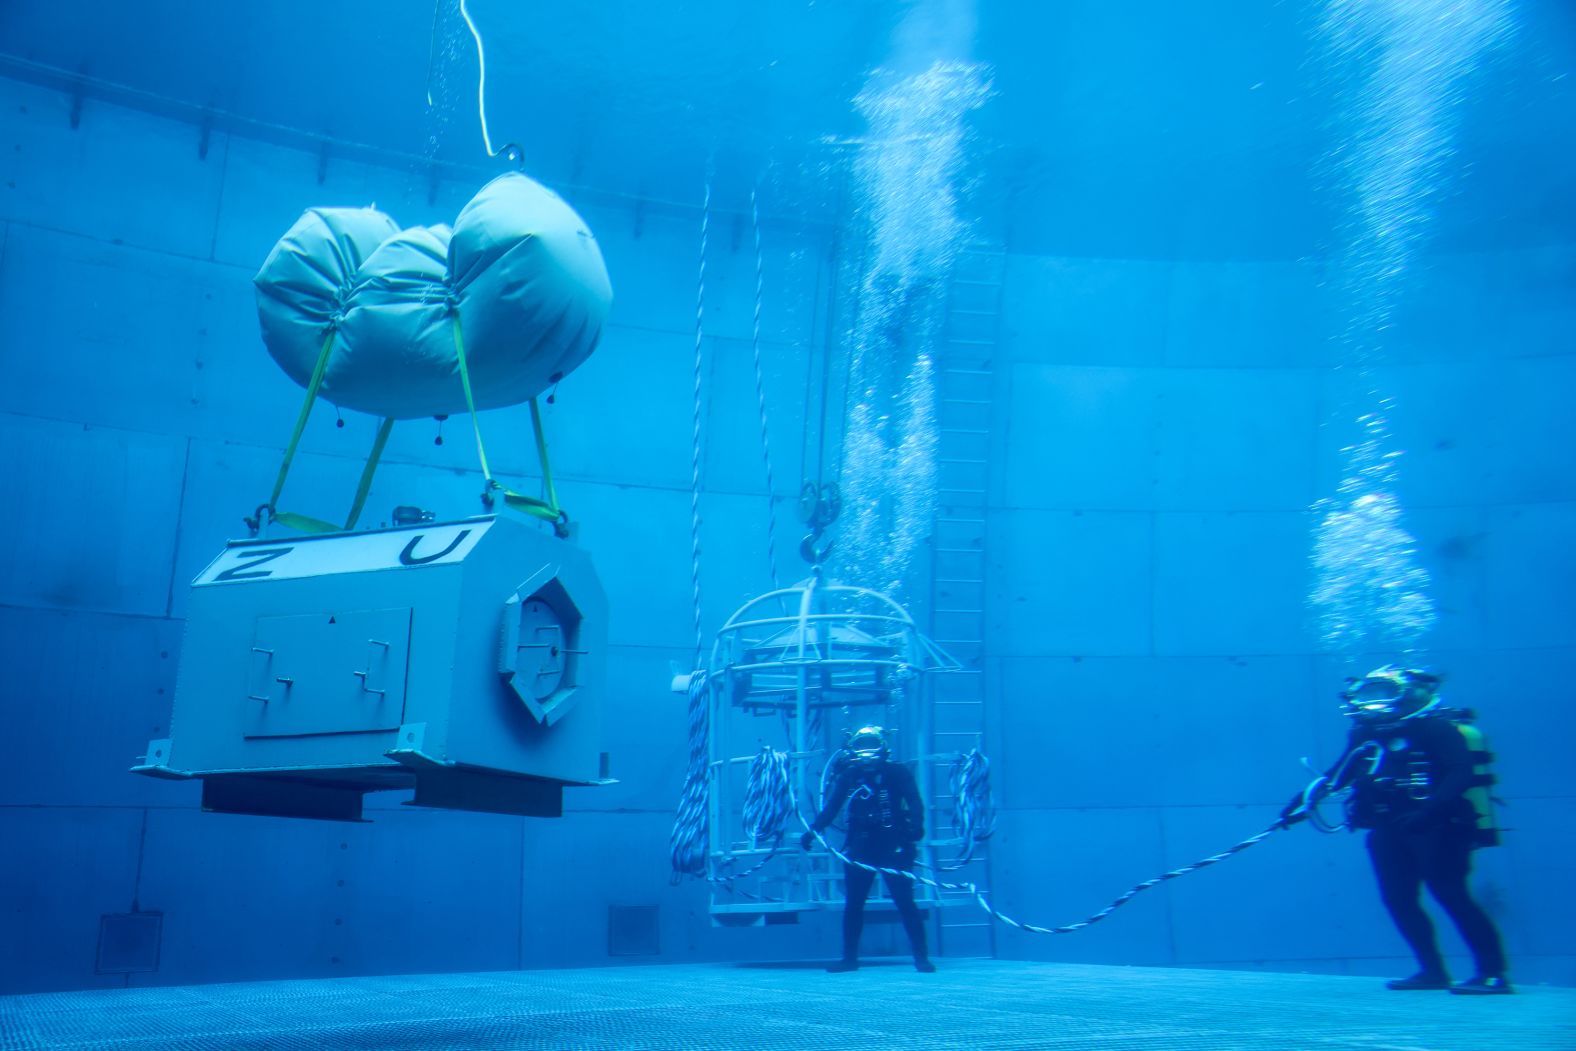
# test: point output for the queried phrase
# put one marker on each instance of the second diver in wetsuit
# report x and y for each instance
(1419, 782)
(885, 824)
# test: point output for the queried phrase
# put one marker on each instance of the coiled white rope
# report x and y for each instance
(768, 797)
(768, 803)
(973, 808)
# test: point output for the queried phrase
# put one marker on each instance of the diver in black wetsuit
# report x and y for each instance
(885, 823)
(1419, 782)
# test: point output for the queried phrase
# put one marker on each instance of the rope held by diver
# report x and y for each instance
(984, 903)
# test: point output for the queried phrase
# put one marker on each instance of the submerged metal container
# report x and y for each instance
(462, 659)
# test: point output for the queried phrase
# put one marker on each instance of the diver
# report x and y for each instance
(1419, 782)
(885, 823)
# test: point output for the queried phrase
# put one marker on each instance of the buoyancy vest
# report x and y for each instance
(879, 807)
(1404, 775)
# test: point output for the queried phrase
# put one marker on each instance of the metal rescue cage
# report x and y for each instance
(796, 670)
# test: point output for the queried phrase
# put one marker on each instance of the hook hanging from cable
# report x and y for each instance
(510, 151)
(819, 505)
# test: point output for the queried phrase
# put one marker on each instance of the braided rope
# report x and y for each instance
(768, 797)
(768, 802)
(979, 897)
(700, 309)
(691, 840)
(973, 809)
(760, 396)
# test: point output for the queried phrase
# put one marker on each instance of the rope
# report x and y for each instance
(690, 842)
(768, 798)
(700, 309)
(979, 897)
(760, 396)
(973, 809)
(1322, 785)
(768, 801)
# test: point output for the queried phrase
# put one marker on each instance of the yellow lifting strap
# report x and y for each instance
(306, 523)
(548, 509)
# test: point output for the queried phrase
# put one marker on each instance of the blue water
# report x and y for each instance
(1168, 366)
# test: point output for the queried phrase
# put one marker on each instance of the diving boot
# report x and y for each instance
(1420, 980)
(923, 965)
(842, 966)
(1483, 985)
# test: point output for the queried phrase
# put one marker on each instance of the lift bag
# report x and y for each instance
(520, 280)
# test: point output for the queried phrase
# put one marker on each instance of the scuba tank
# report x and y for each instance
(1486, 831)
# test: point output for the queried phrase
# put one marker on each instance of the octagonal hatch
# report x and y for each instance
(541, 648)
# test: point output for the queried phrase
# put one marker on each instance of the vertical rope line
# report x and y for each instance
(760, 396)
(690, 842)
(700, 310)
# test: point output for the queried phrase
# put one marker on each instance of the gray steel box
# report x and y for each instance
(462, 659)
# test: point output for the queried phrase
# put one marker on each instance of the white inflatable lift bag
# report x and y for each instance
(520, 271)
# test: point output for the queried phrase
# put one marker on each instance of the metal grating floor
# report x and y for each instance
(969, 1004)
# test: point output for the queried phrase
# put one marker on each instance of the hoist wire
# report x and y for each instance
(817, 398)
(481, 80)
(432, 49)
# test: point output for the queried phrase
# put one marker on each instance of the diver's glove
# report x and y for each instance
(807, 840)
(1303, 802)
